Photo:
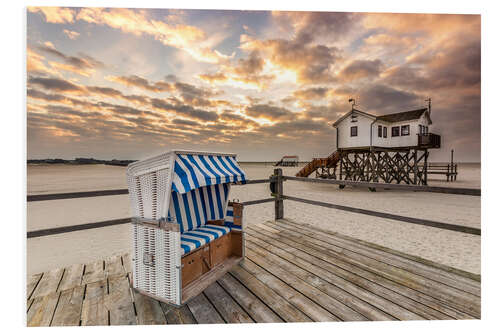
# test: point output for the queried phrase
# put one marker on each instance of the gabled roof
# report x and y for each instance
(403, 116)
(349, 113)
(390, 118)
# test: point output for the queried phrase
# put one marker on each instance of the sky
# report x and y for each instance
(129, 83)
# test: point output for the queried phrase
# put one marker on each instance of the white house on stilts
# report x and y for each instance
(379, 148)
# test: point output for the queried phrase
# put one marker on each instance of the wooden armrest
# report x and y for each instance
(216, 222)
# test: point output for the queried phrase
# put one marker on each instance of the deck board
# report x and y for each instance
(292, 273)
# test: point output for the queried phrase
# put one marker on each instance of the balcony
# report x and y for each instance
(429, 140)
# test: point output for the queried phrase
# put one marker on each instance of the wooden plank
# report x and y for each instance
(48, 283)
(32, 283)
(94, 272)
(149, 311)
(127, 262)
(300, 301)
(269, 297)
(463, 301)
(69, 308)
(28, 304)
(42, 310)
(363, 282)
(366, 303)
(412, 264)
(400, 218)
(119, 301)
(225, 305)
(468, 277)
(333, 305)
(113, 267)
(351, 265)
(94, 311)
(76, 227)
(257, 310)
(203, 311)
(198, 285)
(72, 277)
(177, 315)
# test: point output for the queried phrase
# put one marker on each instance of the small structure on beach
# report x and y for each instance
(186, 234)
(388, 148)
(288, 160)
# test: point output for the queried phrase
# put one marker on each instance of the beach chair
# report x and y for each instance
(185, 232)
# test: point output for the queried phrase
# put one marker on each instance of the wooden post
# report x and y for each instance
(278, 204)
(425, 166)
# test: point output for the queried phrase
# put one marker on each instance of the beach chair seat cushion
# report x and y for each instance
(193, 239)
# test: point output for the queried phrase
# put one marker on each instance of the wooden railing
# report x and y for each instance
(429, 140)
(316, 163)
(278, 197)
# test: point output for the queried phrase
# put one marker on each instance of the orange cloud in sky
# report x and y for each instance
(181, 36)
(55, 14)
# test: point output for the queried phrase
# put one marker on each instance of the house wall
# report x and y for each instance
(344, 132)
(363, 138)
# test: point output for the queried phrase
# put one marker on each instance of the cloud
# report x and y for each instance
(245, 73)
(183, 110)
(312, 63)
(84, 65)
(71, 34)
(384, 99)
(311, 93)
(140, 82)
(185, 37)
(359, 69)
(55, 14)
(54, 84)
(269, 112)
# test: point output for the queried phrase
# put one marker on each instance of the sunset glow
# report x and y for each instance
(128, 83)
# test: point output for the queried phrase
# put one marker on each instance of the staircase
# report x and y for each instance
(280, 162)
(327, 162)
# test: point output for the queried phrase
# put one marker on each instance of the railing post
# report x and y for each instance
(278, 204)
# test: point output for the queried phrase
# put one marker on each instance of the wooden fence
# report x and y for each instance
(276, 186)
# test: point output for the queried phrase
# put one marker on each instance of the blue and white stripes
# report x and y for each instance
(195, 171)
(193, 209)
(192, 240)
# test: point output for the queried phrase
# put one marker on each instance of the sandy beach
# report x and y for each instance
(447, 247)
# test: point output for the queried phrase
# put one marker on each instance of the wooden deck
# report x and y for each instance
(292, 273)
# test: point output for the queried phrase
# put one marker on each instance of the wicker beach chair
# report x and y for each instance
(186, 233)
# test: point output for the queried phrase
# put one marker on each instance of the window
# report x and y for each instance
(385, 132)
(379, 131)
(426, 130)
(405, 130)
(420, 129)
(354, 131)
(395, 131)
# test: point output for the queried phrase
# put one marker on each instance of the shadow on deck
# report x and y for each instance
(292, 273)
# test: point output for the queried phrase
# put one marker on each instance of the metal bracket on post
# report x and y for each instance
(278, 194)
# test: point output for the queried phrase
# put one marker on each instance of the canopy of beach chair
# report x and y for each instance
(192, 171)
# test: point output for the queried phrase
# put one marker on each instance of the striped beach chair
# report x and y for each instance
(181, 207)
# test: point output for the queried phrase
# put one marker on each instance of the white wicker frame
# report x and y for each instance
(149, 183)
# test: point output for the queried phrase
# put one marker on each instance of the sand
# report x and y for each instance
(447, 247)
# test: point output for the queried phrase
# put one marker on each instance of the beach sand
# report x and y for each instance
(447, 247)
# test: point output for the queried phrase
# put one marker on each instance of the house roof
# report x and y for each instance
(390, 118)
(349, 113)
(403, 116)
